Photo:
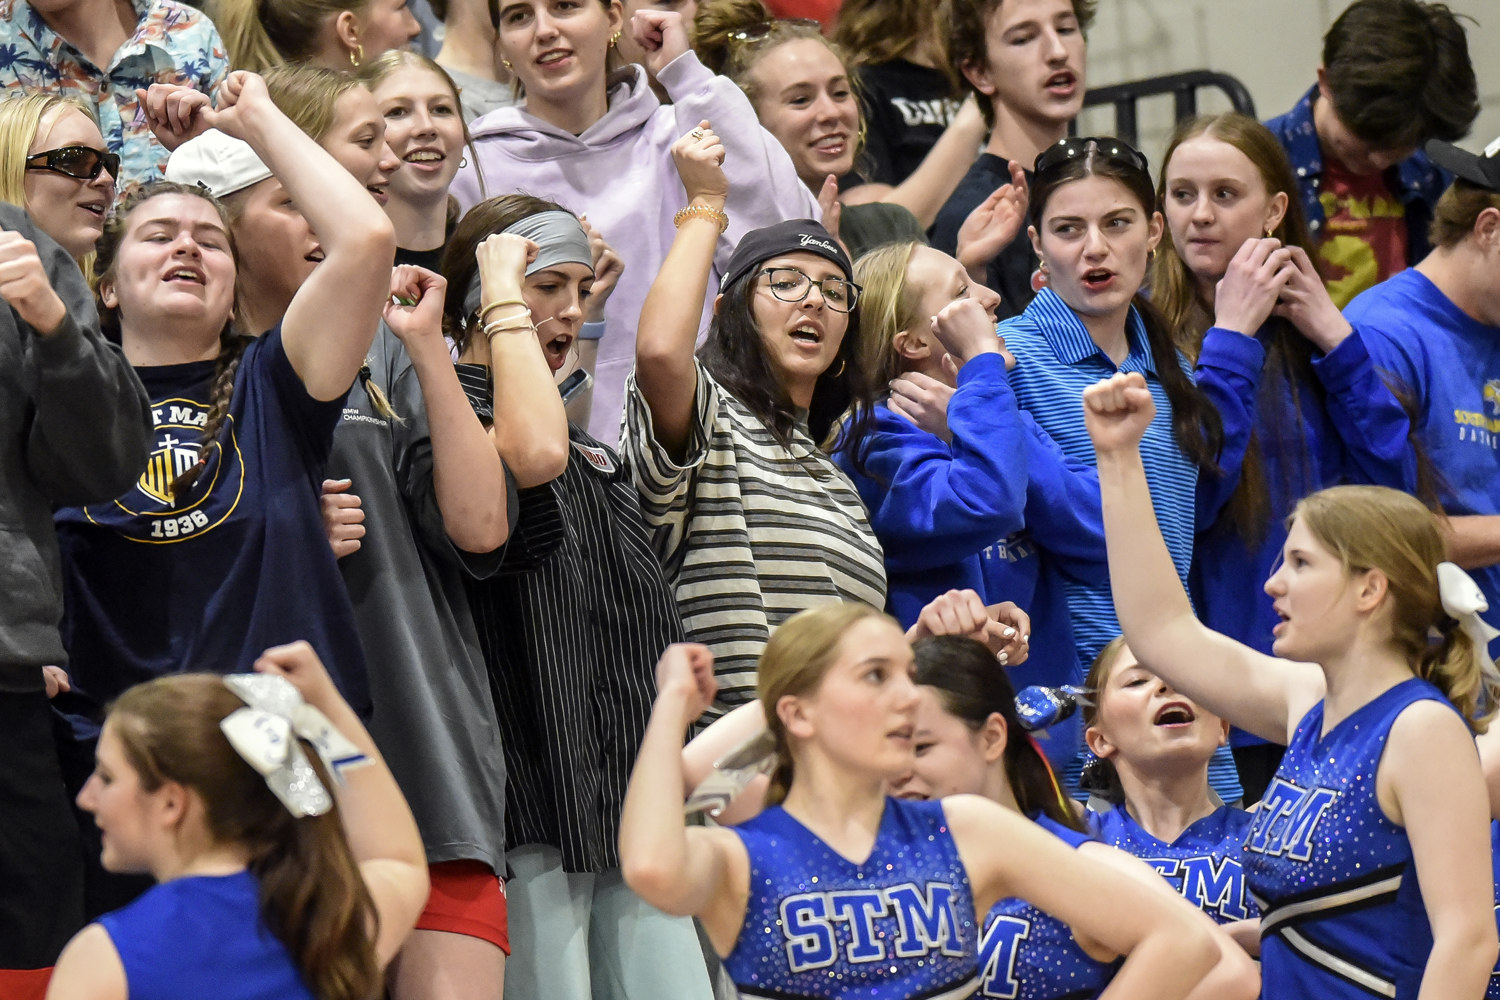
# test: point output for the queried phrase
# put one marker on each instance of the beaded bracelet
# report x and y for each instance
(700, 212)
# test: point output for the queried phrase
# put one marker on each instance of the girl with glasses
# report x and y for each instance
(753, 520)
(592, 134)
(54, 164)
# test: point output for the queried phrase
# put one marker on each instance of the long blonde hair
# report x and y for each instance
(1373, 527)
(888, 304)
(259, 34)
(21, 119)
(794, 663)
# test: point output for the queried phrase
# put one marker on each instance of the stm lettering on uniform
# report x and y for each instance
(997, 956)
(1287, 818)
(1211, 883)
(925, 923)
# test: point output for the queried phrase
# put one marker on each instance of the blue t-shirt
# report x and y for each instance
(1027, 954)
(1342, 914)
(238, 564)
(1450, 365)
(1203, 864)
(899, 925)
(202, 936)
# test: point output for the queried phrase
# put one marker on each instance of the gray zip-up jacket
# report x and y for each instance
(75, 428)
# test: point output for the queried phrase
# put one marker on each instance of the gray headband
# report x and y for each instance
(560, 239)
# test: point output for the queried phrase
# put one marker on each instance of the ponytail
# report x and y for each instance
(246, 40)
(312, 894)
(259, 34)
(971, 688)
(1453, 666)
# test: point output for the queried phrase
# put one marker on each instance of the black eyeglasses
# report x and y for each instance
(82, 163)
(1077, 147)
(790, 285)
(763, 30)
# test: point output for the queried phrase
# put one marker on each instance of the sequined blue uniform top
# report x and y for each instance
(900, 926)
(1026, 954)
(1341, 911)
(1493, 993)
(1203, 863)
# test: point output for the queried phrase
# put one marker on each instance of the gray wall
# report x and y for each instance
(1273, 46)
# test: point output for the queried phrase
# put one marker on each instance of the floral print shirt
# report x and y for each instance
(172, 43)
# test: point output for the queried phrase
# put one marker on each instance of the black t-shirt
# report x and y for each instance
(1010, 272)
(240, 563)
(906, 108)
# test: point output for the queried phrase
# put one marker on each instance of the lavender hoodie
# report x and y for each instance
(620, 173)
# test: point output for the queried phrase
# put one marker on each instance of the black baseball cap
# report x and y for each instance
(792, 236)
(1481, 168)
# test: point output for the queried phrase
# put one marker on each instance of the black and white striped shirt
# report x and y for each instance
(571, 628)
(750, 532)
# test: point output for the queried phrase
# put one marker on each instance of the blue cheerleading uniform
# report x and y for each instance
(1026, 954)
(202, 936)
(1342, 914)
(1493, 993)
(899, 926)
(1203, 863)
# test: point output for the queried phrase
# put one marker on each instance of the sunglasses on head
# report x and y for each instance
(82, 163)
(757, 32)
(1078, 147)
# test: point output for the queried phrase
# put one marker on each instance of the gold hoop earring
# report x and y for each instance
(356, 55)
(1269, 231)
(843, 363)
(615, 39)
(506, 63)
(1042, 266)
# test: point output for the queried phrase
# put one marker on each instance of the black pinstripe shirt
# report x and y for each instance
(572, 627)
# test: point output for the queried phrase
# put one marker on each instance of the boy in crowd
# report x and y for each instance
(1395, 74)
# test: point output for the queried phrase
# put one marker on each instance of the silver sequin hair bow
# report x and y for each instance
(266, 734)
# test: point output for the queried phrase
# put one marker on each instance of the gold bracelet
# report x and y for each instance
(700, 212)
(486, 310)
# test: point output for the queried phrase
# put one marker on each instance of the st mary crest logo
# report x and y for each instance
(147, 512)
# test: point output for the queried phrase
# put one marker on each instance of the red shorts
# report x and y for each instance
(466, 898)
(26, 984)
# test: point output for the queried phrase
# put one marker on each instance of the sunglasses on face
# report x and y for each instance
(1078, 147)
(82, 163)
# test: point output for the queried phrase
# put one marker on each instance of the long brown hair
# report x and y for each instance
(1288, 370)
(232, 344)
(969, 687)
(881, 31)
(1196, 424)
(794, 662)
(259, 34)
(312, 895)
(1372, 527)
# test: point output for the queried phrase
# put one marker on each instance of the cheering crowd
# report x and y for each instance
(705, 499)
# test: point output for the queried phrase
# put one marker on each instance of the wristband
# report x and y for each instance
(591, 331)
(507, 326)
(700, 212)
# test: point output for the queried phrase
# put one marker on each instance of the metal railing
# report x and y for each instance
(1184, 89)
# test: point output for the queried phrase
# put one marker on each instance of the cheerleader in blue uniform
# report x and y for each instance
(838, 891)
(1364, 852)
(1152, 748)
(970, 740)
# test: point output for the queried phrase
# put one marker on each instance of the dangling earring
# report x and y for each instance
(357, 55)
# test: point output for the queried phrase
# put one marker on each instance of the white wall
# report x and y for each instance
(1273, 46)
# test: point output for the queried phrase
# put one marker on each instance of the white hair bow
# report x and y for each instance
(1464, 601)
(265, 734)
